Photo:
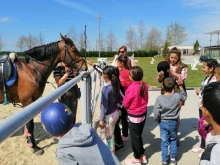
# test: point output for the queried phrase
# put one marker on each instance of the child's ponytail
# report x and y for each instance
(142, 91)
(113, 75)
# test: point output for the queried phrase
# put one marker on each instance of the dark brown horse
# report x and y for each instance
(33, 68)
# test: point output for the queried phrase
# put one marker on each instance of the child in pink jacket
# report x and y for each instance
(136, 100)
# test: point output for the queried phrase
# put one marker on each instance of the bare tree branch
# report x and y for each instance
(21, 42)
(176, 34)
(154, 39)
(41, 38)
(72, 34)
(31, 41)
(131, 38)
(111, 41)
(141, 31)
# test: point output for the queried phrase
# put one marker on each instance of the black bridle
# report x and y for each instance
(74, 51)
(73, 65)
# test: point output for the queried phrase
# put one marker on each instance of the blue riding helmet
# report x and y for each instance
(57, 119)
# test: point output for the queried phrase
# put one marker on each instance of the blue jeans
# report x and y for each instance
(168, 134)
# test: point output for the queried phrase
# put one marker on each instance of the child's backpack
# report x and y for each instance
(203, 130)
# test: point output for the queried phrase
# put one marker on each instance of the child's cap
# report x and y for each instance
(57, 119)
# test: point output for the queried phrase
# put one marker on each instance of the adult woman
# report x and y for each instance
(122, 51)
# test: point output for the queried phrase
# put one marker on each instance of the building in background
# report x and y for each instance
(185, 50)
(213, 50)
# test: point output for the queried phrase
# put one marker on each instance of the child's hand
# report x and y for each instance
(75, 72)
(179, 82)
(205, 123)
(67, 70)
(160, 76)
(101, 124)
(90, 63)
(197, 91)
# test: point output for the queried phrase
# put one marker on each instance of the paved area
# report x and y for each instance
(188, 134)
(151, 136)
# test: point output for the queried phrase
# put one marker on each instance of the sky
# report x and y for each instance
(52, 17)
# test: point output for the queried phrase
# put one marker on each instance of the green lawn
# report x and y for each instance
(194, 78)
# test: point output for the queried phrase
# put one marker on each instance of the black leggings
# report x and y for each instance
(202, 145)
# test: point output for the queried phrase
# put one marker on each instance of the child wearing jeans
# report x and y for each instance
(166, 112)
(136, 100)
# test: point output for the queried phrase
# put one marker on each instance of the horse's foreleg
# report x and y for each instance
(29, 134)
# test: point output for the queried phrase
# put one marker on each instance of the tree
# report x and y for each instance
(154, 39)
(81, 41)
(111, 41)
(176, 34)
(165, 48)
(72, 34)
(131, 38)
(141, 32)
(196, 46)
(41, 38)
(21, 42)
(31, 41)
(1, 43)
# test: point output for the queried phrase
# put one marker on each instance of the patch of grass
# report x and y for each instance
(194, 78)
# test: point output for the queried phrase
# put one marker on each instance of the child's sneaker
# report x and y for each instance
(173, 162)
(197, 149)
(124, 138)
(119, 148)
(164, 163)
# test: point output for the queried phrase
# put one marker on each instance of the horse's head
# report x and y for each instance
(70, 54)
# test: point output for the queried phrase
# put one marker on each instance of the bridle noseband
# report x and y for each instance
(74, 61)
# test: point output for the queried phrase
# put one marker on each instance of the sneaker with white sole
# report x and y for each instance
(173, 162)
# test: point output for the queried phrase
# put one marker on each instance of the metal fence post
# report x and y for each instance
(86, 98)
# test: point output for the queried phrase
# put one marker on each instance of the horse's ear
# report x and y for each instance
(62, 37)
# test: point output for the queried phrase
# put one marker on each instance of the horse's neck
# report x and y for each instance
(43, 68)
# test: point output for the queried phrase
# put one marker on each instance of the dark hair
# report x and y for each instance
(168, 84)
(112, 74)
(124, 60)
(177, 52)
(136, 74)
(211, 63)
(211, 100)
(123, 47)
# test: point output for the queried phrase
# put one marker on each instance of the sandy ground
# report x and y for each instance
(14, 151)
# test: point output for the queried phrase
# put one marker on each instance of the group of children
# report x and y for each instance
(125, 98)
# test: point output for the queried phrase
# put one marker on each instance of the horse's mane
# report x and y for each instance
(43, 51)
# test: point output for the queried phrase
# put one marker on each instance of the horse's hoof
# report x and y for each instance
(37, 151)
